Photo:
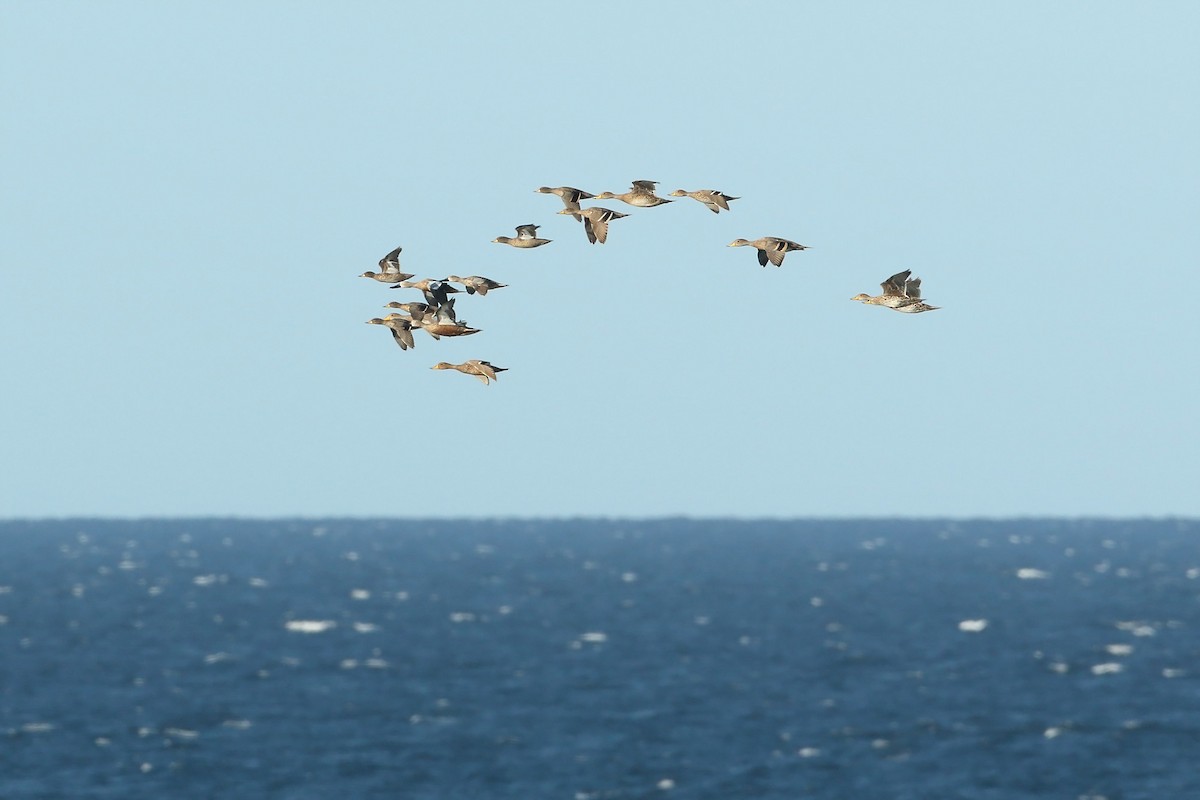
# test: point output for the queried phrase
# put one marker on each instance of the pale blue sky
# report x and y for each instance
(191, 189)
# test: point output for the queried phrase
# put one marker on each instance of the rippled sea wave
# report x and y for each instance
(590, 659)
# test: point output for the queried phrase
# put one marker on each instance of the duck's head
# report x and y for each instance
(861, 297)
(604, 196)
(367, 274)
(678, 193)
(738, 243)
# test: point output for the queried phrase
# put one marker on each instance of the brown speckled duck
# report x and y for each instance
(483, 370)
(401, 328)
(568, 194)
(415, 310)
(712, 199)
(640, 194)
(476, 284)
(770, 248)
(900, 293)
(389, 269)
(526, 238)
(595, 221)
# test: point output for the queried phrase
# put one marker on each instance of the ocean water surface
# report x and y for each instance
(588, 659)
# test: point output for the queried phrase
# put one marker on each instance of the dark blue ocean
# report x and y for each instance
(589, 660)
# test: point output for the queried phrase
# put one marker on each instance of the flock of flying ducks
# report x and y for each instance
(437, 317)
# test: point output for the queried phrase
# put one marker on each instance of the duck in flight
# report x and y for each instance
(389, 269)
(715, 201)
(526, 238)
(483, 370)
(476, 284)
(900, 293)
(568, 194)
(640, 194)
(436, 292)
(595, 221)
(770, 248)
(401, 328)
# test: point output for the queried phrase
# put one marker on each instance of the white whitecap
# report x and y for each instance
(1137, 628)
(596, 637)
(360, 594)
(1118, 649)
(462, 616)
(973, 625)
(365, 627)
(1107, 669)
(181, 733)
(1032, 574)
(310, 625)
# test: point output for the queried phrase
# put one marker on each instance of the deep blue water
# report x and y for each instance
(586, 660)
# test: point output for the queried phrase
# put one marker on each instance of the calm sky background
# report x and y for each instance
(191, 190)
